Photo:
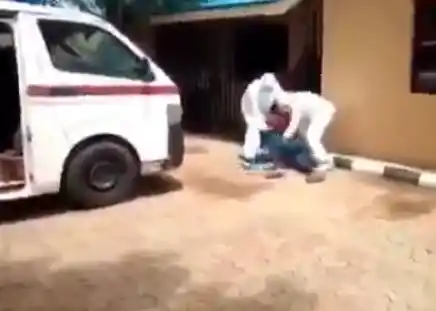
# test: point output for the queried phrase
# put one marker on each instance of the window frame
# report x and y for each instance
(141, 60)
(424, 25)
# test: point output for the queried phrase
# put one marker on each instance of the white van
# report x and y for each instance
(84, 111)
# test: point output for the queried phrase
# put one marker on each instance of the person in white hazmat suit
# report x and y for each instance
(311, 115)
(256, 102)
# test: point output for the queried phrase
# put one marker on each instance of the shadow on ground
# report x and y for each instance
(48, 205)
(397, 206)
(196, 149)
(135, 283)
(398, 201)
(223, 187)
(229, 134)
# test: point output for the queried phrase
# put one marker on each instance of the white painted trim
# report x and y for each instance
(359, 164)
(427, 180)
(367, 166)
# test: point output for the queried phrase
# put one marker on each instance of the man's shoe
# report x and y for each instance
(261, 157)
(324, 166)
(316, 177)
(252, 165)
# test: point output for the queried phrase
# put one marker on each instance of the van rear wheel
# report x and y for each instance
(102, 173)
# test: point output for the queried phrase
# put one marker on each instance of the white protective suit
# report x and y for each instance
(311, 114)
(256, 103)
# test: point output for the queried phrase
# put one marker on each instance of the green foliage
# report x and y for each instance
(128, 12)
(134, 13)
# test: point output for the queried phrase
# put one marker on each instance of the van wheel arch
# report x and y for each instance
(95, 139)
(88, 143)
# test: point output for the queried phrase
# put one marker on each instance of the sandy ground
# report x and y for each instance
(211, 237)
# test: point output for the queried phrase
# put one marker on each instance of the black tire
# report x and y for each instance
(118, 169)
(176, 145)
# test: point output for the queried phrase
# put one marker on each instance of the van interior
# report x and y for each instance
(11, 157)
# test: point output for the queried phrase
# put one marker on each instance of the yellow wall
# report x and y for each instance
(366, 67)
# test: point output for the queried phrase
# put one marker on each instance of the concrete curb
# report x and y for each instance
(387, 170)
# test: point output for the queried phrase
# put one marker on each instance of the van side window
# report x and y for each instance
(81, 48)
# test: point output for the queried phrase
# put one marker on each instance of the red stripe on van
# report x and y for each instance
(81, 90)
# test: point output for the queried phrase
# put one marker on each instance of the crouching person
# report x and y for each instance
(256, 103)
(286, 153)
(311, 116)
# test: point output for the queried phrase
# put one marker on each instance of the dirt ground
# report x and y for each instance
(212, 237)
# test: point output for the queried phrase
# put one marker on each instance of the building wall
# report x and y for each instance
(366, 72)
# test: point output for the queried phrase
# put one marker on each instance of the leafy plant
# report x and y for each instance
(123, 12)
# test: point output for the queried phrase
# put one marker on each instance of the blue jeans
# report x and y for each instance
(290, 153)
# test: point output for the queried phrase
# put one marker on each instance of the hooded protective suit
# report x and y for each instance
(256, 103)
(311, 115)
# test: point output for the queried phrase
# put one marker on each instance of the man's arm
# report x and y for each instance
(284, 99)
(293, 124)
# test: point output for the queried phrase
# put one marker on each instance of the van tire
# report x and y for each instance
(119, 172)
(176, 145)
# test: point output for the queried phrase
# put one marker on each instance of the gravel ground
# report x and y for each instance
(211, 237)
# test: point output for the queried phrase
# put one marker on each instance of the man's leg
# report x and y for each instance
(251, 142)
(272, 142)
(315, 133)
(251, 157)
(287, 153)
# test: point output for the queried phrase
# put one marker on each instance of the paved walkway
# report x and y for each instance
(226, 241)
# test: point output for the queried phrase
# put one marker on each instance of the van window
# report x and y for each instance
(81, 48)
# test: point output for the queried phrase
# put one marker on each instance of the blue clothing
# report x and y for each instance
(31, 1)
(280, 152)
(291, 153)
(255, 166)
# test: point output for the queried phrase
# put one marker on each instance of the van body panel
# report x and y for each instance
(61, 109)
